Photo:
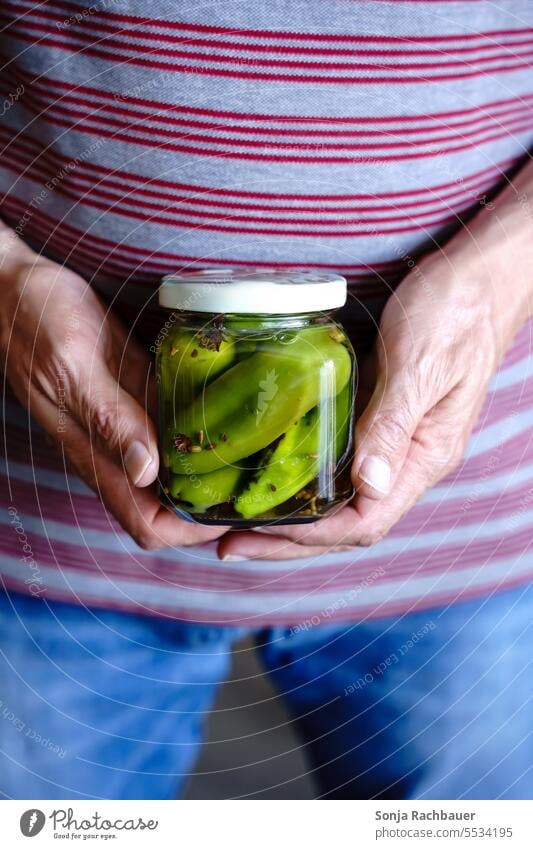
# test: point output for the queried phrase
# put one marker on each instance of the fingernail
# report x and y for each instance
(375, 471)
(136, 460)
(233, 557)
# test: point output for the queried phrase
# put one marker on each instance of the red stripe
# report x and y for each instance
(120, 566)
(99, 246)
(91, 264)
(161, 106)
(258, 157)
(141, 192)
(285, 34)
(376, 610)
(178, 260)
(96, 121)
(131, 203)
(44, 504)
(177, 221)
(485, 122)
(328, 575)
(252, 47)
(509, 500)
(94, 257)
(94, 261)
(35, 149)
(361, 612)
(258, 75)
(455, 557)
(521, 347)
(129, 206)
(454, 511)
(96, 118)
(506, 456)
(516, 107)
(330, 572)
(424, 220)
(121, 46)
(508, 399)
(85, 182)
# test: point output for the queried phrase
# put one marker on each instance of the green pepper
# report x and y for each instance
(252, 403)
(188, 361)
(297, 459)
(204, 491)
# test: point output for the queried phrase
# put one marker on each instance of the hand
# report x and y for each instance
(71, 362)
(441, 337)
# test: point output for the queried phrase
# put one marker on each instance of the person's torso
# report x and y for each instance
(326, 133)
(329, 133)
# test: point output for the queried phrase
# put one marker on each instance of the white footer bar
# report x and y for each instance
(267, 824)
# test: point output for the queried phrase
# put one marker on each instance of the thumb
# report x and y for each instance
(383, 435)
(120, 425)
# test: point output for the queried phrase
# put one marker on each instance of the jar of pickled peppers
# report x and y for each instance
(255, 392)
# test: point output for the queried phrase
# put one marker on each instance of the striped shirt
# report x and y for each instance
(341, 134)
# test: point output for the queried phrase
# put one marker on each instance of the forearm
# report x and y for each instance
(14, 253)
(495, 249)
(21, 269)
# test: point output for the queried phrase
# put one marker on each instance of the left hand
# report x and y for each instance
(442, 336)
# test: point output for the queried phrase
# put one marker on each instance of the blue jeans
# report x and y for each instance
(435, 705)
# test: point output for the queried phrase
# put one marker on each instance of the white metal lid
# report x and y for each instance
(253, 290)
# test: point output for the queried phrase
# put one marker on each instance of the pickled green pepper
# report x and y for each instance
(296, 460)
(204, 491)
(189, 360)
(255, 401)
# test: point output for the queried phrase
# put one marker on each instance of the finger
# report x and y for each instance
(138, 511)
(252, 546)
(436, 448)
(384, 432)
(337, 530)
(135, 371)
(118, 423)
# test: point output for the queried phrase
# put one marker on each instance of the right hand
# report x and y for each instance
(72, 364)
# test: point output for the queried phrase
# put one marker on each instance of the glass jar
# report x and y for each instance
(255, 388)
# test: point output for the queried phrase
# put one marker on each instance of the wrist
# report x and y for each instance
(17, 261)
(495, 257)
(492, 255)
(14, 254)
